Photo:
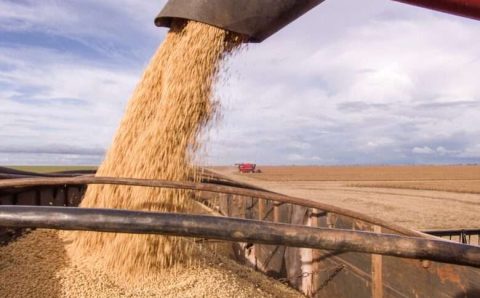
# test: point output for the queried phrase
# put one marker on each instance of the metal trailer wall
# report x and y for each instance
(317, 273)
(61, 195)
(320, 273)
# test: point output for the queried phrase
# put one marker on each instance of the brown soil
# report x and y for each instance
(458, 186)
(413, 208)
(367, 173)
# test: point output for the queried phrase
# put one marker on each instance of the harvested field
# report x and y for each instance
(442, 197)
(368, 173)
(51, 169)
(458, 186)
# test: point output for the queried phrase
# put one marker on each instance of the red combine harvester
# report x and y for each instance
(247, 168)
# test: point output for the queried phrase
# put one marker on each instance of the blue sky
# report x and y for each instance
(370, 82)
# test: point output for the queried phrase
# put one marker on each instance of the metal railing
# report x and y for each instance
(465, 236)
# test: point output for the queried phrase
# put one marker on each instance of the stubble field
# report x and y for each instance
(418, 197)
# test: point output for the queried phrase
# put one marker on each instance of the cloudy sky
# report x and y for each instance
(351, 82)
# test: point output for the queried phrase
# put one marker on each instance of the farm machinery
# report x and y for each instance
(320, 249)
(247, 168)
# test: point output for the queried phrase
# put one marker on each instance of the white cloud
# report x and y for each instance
(369, 94)
(58, 100)
(85, 18)
(471, 152)
(423, 150)
(66, 71)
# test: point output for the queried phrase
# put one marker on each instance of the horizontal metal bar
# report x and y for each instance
(207, 176)
(453, 232)
(239, 230)
(216, 178)
(29, 182)
(13, 176)
(9, 173)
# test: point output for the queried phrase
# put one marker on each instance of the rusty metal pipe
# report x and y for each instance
(464, 8)
(238, 230)
(9, 173)
(256, 19)
(32, 182)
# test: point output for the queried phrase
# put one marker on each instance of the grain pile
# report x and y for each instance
(157, 139)
(39, 265)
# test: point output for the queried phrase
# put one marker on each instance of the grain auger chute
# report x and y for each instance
(258, 20)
